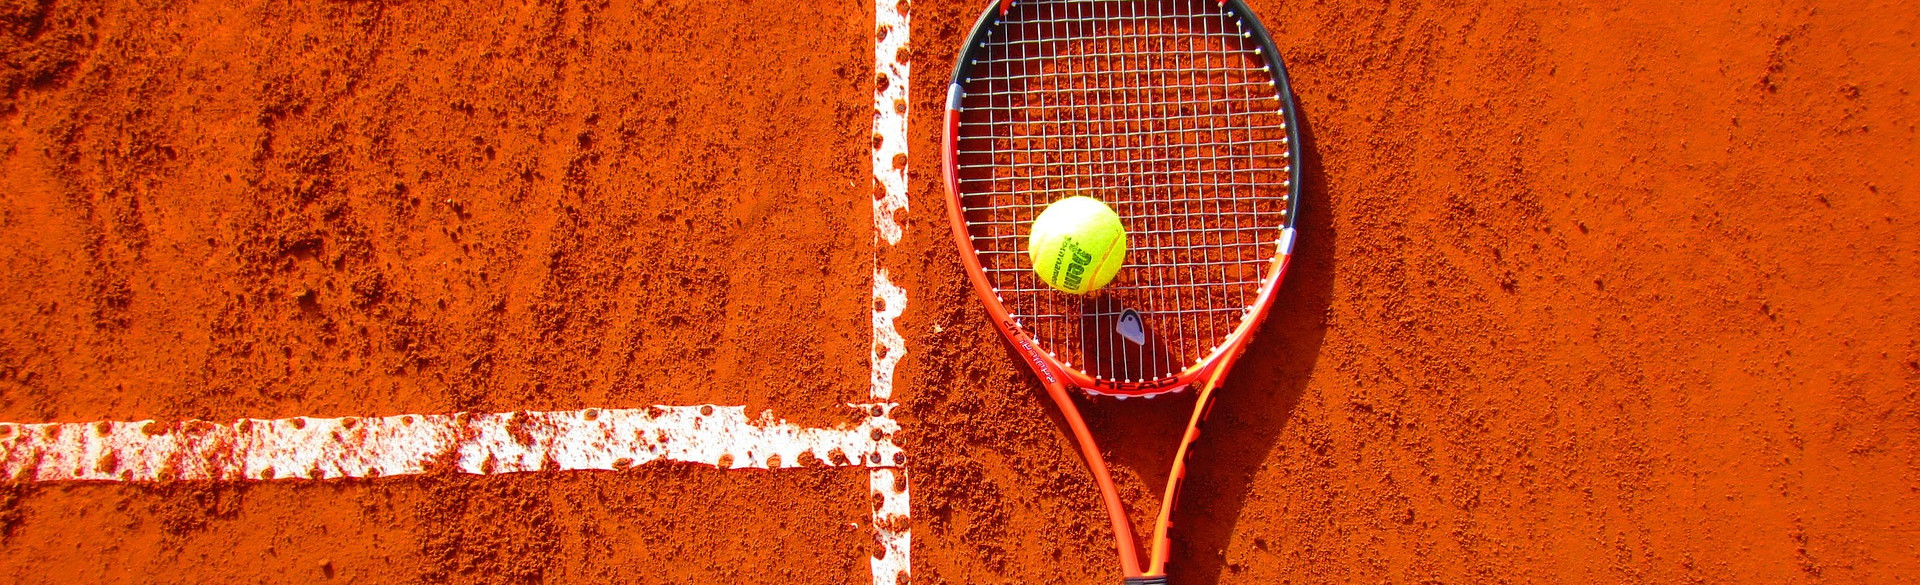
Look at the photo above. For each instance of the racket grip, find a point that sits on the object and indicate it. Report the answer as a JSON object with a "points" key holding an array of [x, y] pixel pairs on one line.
{"points": [[1147, 580]]}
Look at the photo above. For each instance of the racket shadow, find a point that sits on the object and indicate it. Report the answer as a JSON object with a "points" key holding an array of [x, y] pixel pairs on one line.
{"points": [[1250, 411]]}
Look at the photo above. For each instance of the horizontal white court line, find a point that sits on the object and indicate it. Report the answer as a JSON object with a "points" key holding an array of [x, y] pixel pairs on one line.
{"points": [[413, 444]]}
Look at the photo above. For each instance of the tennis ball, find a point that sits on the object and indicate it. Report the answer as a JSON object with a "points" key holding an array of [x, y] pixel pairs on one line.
{"points": [[1077, 245]]}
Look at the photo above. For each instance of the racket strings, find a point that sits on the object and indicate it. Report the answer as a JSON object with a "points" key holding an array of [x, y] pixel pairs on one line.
{"points": [[1163, 110]]}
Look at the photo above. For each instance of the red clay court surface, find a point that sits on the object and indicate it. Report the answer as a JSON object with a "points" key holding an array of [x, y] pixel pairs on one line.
{"points": [[1619, 292]]}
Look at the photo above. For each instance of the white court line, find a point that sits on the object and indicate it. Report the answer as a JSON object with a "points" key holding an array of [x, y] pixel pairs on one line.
{"points": [[477, 443], [893, 557], [892, 561], [891, 64]]}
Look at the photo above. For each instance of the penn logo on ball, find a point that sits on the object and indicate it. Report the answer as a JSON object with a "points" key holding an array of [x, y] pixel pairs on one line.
{"points": [[1077, 245]]}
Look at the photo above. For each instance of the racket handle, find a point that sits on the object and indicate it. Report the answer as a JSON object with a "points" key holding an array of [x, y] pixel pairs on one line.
{"points": [[1147, 580]]}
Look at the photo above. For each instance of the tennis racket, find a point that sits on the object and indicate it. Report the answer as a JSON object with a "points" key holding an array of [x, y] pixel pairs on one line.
{"points": [[1175, 113]]}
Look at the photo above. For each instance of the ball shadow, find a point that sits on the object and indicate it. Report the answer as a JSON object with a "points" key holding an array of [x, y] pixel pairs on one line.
{"points": [[1251, 409]]}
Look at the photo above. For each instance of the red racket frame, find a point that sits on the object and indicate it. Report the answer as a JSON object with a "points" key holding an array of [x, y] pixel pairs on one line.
{"points": [[1057, 377]]}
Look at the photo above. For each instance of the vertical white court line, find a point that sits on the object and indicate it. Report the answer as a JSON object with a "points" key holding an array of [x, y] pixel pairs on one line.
{"points": [[892, 560], [892, 557], [891, 63]]}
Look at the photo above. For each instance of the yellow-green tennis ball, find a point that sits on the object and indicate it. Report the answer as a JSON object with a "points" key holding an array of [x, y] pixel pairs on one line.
{"points": [[1077, 245]]}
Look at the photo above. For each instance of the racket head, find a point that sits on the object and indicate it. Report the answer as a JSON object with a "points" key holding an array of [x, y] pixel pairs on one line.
{"points": [[1179, 116]]}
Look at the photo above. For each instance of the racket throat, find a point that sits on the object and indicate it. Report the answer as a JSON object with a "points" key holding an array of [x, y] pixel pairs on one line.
{"points": [[1160, 547], [1125, 544]]}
